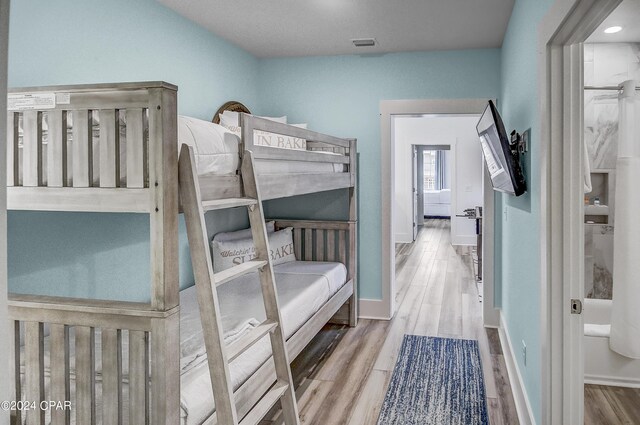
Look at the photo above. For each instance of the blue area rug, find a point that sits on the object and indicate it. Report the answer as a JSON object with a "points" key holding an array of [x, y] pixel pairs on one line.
{"points": [[436, 381]]}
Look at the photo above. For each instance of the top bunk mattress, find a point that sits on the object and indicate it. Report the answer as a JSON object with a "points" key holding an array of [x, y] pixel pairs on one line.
{"points": [[217, 152]]}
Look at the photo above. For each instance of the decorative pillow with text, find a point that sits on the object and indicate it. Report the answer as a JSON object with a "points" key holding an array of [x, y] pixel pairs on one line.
{"points": [[227, 254]]}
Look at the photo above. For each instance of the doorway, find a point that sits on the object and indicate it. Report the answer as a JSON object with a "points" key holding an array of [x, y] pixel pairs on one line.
{"points": [[431, 184], [391, 111], [563, 33]]}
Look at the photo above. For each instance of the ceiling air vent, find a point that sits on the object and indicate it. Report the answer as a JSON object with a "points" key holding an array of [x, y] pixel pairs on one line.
{"points": [[364, 42]]}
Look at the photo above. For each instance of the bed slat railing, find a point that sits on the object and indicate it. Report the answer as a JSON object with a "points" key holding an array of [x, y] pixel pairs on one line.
{"points": [[86, 348], [60, 382], [316, 143], [34, 376], [327, 241], [57, 149], [95, 138], [78, 148], [137, 176]]}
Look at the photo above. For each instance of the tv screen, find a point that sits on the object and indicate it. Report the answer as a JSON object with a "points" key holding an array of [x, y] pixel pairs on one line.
{"points": [[502, 163]]}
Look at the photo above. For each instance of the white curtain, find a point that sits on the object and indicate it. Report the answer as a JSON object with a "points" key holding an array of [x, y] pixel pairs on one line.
{"points": [[625, 314], [442, 170]]}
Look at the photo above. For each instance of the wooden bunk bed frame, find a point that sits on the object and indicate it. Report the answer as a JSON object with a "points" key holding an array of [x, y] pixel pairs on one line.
{"points": [[52, 169]]}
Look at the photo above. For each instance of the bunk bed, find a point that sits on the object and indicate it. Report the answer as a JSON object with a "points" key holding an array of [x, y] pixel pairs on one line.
{"points": [[112, 148]]}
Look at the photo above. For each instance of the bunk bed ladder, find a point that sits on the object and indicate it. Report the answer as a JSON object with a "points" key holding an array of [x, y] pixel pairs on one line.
{"points": [[219, 355]]}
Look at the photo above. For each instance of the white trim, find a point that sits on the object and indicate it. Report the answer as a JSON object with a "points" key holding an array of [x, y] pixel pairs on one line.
{"points": [[567, 24], [520, 396], [490, 312], [464, 240], [373, 309], [404, 238], [611, 381], [411, 107]]}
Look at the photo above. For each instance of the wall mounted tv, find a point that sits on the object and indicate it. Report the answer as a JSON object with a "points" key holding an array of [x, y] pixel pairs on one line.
{"points": [[501, 156]]}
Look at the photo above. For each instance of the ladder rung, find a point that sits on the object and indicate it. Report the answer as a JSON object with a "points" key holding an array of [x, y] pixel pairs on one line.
{"points": [[237, 271], [258, 412], [246, 341], [221, 204]]}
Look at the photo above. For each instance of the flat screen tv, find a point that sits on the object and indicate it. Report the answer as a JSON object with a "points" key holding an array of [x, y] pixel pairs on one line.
{"points": [[503, 162]]}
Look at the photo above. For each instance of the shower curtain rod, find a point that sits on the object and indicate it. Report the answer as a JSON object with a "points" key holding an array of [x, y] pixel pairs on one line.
{"points": [[605, 88]]}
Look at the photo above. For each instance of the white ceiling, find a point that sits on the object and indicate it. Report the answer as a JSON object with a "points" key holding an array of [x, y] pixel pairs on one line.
{"points": [[627, 15], [276, 28]]}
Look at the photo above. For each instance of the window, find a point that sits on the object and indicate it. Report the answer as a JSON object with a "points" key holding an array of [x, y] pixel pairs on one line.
{"points": [[430, 170], [436, 169]]}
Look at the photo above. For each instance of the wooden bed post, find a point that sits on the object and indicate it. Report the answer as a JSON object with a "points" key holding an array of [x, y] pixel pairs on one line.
{"points": [[353, 231], [163, 221]]}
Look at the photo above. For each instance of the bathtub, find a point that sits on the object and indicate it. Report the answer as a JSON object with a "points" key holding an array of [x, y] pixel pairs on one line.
{"points": [[601, 365]]}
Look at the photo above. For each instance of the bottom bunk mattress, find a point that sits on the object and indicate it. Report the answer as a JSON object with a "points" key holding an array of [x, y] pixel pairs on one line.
{"points": [[303, 288]]}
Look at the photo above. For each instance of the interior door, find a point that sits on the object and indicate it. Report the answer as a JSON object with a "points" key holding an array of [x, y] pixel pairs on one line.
{"points": [[414, 190]]}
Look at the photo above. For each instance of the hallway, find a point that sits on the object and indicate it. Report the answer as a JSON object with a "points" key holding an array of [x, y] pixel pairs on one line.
{"points": [[342, 376]]}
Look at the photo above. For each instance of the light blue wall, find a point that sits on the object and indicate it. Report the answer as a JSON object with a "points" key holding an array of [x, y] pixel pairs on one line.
{"points": [[520, 267], [341, 95], [89, 41]]}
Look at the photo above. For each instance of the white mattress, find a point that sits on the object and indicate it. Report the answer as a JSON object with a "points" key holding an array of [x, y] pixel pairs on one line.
{"points": [[303, 287]]}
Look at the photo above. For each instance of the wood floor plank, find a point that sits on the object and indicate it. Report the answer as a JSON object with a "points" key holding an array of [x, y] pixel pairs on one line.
{"points": [[428, 320], [611, 405], [503, 390], [348, 386], [344, 352], [451, 316], [495, 412], [404, 322], [598, 410], [435, 286], [367, 408], [493, 336]]}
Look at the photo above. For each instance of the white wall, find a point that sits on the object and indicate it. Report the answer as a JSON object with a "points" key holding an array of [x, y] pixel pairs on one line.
{"points": [[4, 321], [460, 133]]}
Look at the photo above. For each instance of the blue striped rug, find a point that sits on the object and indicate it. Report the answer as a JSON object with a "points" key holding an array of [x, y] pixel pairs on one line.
{"points": [[436, 381]]}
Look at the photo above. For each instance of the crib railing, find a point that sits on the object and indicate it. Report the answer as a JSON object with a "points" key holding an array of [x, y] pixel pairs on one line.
{"points": [[97, 139], [110, 346]]}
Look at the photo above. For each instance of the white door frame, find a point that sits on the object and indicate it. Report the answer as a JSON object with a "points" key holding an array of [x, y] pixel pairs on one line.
{"points": [[414, 191], [388, 108], [4, 320], [561, 34]]}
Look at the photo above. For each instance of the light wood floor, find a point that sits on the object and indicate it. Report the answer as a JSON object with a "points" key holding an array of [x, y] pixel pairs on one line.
{"points": [[605, 405], [342, 376]]}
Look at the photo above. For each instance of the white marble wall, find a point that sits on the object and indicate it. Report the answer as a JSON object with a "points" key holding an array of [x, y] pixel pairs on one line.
{"points": [[598, 251], [605, 65]]}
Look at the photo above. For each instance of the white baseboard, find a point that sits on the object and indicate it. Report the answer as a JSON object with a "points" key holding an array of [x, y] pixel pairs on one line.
{"points": [[520, 396], [403, 238], [611, 381], [373, 309], [466, 240]]}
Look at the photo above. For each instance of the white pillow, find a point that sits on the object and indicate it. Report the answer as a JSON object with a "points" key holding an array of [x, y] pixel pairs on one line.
{"points": [[234, 118], [215, 148], [241, 234], [231, 253]]}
